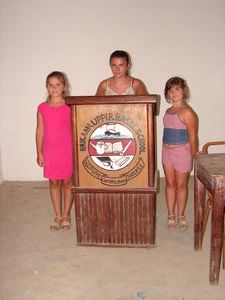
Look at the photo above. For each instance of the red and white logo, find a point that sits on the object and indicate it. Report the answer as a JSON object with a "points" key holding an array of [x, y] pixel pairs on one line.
{"points": [[112, 146]]}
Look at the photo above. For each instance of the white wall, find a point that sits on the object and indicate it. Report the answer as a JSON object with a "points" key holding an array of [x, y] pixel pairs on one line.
{"points": [[165, 38]]}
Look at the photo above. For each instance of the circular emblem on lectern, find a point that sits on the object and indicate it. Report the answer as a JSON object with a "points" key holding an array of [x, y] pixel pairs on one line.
{"points": [[112, 146]]}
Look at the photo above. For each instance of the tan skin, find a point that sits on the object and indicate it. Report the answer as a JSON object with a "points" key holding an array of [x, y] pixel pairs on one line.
{"points": [[120, 81], [177, 182], [55, 90]]}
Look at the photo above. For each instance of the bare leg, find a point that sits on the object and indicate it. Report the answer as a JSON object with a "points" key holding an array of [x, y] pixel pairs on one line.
{"points": [[181, 191], [181, 197], [170, 195], [67, 184], [55, 192], [170, 188]]}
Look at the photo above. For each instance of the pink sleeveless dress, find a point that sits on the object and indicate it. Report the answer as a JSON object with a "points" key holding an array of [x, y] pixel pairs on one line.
{"points": [[57, 143]]}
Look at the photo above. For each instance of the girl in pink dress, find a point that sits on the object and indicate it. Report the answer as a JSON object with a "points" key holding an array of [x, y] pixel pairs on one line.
{"points": [[54, 147]]}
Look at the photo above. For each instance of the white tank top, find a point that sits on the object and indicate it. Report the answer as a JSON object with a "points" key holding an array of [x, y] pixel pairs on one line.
{"points": [[129, 91]]}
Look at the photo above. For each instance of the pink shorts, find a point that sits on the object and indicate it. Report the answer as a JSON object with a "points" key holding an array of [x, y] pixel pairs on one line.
{"points": [[180, 157]]}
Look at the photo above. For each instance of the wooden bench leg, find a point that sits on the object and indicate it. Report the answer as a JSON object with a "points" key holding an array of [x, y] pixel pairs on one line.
{"points": [[217, 235], [224, 243], [208, 207]]}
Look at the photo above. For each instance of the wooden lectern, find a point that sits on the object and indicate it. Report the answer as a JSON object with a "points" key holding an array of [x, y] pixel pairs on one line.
{"points": [[115, 176]]}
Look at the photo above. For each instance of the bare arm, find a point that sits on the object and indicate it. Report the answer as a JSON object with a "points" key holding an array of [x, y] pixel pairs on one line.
{"points": [[39, 139], [101, 89], [191, 120], [139, 87]]}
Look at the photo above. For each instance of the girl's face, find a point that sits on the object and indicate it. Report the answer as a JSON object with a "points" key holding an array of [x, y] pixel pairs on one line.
{"points": [[119, 66], [176, 93], [55, 87]]}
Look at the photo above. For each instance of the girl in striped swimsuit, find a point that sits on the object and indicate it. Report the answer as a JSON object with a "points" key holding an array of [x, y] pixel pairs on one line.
{"points": [[179, 145]]}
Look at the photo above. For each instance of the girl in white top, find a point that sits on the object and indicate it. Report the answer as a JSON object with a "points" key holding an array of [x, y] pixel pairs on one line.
{"points": [[121, 83]]}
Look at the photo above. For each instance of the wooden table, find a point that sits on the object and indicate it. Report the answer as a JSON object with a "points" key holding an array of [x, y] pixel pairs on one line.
{"points": [[210, 175]]}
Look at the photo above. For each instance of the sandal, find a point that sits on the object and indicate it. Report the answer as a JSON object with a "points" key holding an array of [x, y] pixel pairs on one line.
{"points": [[171, 222], [56, 225], [182, 224], [66, 222]]}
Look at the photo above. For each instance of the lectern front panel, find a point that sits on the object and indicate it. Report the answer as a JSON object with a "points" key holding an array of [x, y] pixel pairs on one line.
{"points": [[112, 145], [115, 176]]}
